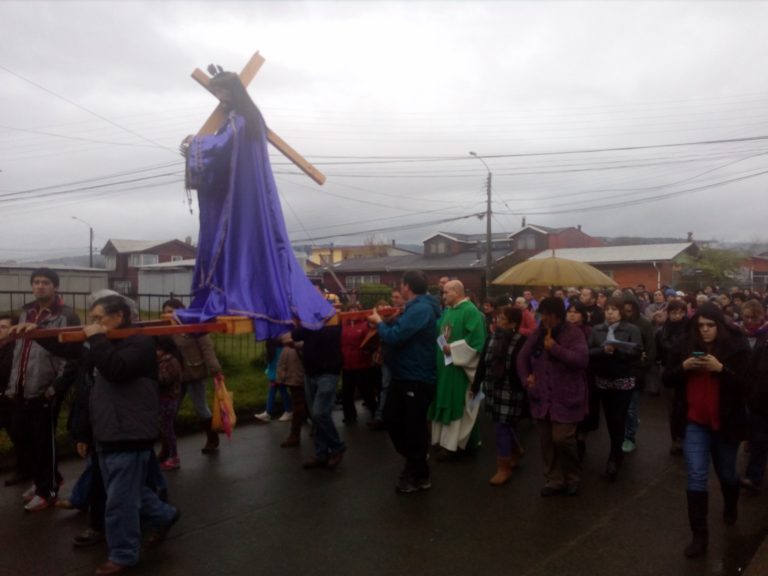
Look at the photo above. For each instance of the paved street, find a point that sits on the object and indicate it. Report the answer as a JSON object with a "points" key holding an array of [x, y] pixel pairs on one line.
{"points": [[253, 510]]}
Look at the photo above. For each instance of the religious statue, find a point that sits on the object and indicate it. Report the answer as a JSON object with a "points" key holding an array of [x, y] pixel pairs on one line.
{"points": [[245, 264]]}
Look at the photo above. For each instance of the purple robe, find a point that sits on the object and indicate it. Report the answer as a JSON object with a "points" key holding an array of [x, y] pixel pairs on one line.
{"points": [[245, 265]]}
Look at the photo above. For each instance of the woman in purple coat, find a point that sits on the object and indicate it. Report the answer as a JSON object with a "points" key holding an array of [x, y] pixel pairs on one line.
{"points": [[552, 366]]}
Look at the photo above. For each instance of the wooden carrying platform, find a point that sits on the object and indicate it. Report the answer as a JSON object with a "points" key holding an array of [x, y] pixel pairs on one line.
{"points": [[70, 334]]}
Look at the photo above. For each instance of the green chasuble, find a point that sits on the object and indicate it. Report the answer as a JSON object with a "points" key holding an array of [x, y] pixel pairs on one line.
{"points": [[462, 322]]}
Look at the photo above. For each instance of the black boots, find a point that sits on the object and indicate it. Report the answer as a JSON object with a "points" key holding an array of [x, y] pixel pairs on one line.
{"points": [[698, 503], [212, 442], [730, 503]]}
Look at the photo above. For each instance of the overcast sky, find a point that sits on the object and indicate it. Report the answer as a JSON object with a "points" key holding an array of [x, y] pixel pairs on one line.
{"points": [[573, 106]]}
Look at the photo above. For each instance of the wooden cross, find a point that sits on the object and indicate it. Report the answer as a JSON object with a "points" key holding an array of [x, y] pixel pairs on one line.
{"points": [[219, 116]]}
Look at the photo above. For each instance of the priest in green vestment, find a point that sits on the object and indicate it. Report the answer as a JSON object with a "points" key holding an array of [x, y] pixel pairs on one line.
{"points": [[463, 327]]}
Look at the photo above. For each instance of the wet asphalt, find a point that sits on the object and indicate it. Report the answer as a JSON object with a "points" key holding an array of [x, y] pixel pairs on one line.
{"points": [[251, 509]]}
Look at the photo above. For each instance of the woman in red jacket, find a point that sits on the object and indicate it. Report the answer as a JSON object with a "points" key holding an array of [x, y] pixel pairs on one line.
{"points": [[707, 371]]}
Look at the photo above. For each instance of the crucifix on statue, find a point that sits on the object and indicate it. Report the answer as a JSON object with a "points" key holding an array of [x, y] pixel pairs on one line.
{"points": [[219, 116], [245, 265]]}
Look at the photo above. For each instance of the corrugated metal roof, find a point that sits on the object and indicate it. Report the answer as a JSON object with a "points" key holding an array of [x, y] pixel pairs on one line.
{"points": [[616, 254], [123, 246], [471, 238], [462, 261], [189, 263]]}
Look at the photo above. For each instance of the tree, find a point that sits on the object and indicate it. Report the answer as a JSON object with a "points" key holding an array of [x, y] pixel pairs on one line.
{"points": [[712, 266]]}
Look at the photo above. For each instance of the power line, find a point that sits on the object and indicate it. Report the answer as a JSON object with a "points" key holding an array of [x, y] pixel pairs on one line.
{"points": [[84, 109]]}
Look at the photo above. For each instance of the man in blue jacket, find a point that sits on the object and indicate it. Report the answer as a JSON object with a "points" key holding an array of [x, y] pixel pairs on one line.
{"points": [[412, 342]]}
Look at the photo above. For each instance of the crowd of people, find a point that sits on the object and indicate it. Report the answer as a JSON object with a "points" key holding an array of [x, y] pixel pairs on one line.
{"points": [[424, 365]]}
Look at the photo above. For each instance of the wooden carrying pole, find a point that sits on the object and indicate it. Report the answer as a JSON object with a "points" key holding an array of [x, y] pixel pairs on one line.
{"points": [[70, 334], [219, 116], [120, 333]]}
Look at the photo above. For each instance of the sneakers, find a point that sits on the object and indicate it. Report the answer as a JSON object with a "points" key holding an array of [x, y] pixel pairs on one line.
{"points": [[87, 537], [628, 446], [409, 484], [286, 417], [29, 493], [173, 463], [263, 417], [38, 503]]}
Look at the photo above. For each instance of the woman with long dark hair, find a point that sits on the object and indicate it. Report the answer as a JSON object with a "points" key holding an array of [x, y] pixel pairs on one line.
{"points": [[707, 372]]}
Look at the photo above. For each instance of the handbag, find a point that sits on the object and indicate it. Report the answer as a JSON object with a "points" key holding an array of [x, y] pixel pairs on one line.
{"points": [[224, 417]]}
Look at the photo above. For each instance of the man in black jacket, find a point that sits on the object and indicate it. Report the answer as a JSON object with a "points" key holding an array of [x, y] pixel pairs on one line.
{"points": [[320, 352], [124, 416]]}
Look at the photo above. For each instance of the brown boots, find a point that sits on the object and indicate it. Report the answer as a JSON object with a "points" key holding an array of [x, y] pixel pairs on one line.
{"points": [[504, 470], [505, 467], [212, 442]]}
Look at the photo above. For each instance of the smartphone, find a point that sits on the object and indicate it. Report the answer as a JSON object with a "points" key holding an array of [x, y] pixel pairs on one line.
{"points": [[698, 354]]}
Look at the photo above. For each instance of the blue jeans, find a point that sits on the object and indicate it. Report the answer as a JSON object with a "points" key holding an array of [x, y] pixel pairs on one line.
{"points": [[321, 398], [196, 391], [284, 396], [129, 501], [758, 448], [633, 416], [699, 444], [82, 489]]}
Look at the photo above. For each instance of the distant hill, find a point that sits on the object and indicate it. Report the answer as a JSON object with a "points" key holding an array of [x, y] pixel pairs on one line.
{"points": [[78, 261]]}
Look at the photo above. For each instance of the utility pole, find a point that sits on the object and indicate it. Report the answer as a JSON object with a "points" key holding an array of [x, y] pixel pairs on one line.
{"points": [[90, 240], [488, 215]]}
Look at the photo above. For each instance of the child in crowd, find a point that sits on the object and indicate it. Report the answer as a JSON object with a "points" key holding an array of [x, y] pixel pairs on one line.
{"points": [[169, 380], [274, 350]]}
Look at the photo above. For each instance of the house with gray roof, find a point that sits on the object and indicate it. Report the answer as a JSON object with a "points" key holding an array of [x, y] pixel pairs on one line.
{"points": [[123, 258], [653, 265]]}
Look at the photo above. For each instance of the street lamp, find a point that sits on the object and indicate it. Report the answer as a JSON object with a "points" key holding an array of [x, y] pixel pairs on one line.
{"points": [[488, 255], [90, 244]]}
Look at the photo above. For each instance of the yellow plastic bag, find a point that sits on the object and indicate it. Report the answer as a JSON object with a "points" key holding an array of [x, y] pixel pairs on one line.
{"points": [[224, 417]]}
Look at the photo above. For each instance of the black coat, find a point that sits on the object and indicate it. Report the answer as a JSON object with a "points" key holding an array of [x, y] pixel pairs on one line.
{"points": [[621, 363], [735, 358], [757, 376]]}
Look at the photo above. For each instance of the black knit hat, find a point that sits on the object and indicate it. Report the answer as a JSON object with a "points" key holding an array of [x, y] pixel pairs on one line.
{"points": [[45, 273]]}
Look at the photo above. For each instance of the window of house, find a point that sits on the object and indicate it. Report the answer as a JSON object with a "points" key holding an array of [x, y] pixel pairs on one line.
{"points": [[177, 258], [110, 262], [356, 281], [526, 242], [441, 247], [142, 260], [122, 286]]}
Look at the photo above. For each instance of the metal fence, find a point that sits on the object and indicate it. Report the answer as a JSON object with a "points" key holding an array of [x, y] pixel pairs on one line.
{"points": [[150, 306]]}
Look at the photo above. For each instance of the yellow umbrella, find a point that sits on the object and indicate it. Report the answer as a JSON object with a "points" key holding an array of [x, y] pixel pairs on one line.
{"points": [[553, 271]]}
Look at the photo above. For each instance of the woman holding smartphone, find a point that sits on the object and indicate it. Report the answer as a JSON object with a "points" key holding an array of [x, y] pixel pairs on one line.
{"points": [[707, 372]]}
